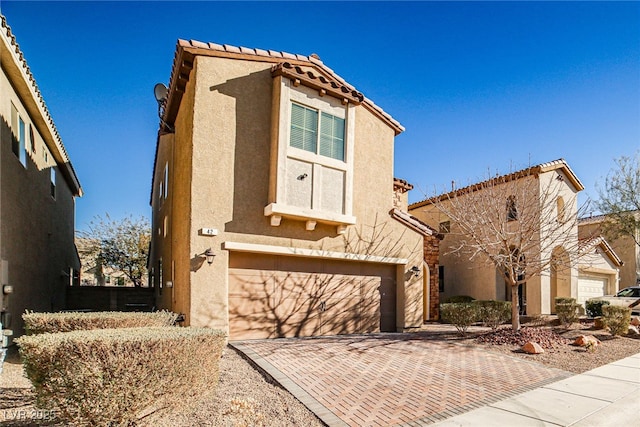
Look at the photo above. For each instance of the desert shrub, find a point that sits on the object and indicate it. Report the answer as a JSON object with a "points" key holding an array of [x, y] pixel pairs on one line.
{"points": [[493, 313], [616, 318], [564, 300], [567, 310], [39, 323], [461, 315], [458, 298], [112, 376], [594, 308]]}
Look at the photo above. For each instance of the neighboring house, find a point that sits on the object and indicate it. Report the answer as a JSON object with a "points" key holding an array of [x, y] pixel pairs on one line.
{"points": [[271, 199], [461, 276], [94, 273], [38, 187], [624, 246], [599, 268]]}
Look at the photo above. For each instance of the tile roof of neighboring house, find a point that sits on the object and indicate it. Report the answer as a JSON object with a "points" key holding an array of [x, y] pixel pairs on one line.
{"points": [[402, 185], [15, 63], [286, 63], [591, 219], [595, 219], [413, 223], [587, 244], [533, 170]]}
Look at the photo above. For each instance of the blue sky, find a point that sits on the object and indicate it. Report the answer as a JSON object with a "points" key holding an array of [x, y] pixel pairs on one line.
{"points": [[479, 86]]}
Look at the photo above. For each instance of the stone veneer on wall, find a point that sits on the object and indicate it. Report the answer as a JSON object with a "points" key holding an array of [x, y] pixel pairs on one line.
{"points": [[432, 258]]}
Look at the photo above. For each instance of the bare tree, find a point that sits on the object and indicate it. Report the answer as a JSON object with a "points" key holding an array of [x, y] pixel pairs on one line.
{"points": [[514, 223], [122, 245], [620, 199]]}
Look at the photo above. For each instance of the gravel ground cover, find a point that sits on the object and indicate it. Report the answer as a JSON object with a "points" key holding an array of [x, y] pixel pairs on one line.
{"points": [[245, 398]]}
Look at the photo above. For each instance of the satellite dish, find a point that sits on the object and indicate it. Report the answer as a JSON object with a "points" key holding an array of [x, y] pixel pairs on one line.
{"points": [[160, 92]]}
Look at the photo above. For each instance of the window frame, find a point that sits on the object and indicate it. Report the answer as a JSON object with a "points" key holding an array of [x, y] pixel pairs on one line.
{"points": [[287, 94]]}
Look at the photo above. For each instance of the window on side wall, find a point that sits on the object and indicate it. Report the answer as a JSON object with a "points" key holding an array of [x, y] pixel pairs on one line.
{"points": [[18, 136], [445, 227], [441, 278], [512, 209], [560, 209], [53, 182], [166, 180]]}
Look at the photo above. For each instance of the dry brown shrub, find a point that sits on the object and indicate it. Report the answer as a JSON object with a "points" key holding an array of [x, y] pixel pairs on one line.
{"points": [[40, 323], [114, 376]]}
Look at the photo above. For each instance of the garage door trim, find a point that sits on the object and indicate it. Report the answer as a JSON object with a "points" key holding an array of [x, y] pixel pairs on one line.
{"points": [[310, 253]]}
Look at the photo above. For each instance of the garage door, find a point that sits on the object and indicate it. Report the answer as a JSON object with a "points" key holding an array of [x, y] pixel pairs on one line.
{"points": [[591, 286], [278, 296]]}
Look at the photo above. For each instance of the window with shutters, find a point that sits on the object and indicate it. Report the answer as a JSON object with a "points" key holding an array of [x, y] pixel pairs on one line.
{"points": [[314, 164]]}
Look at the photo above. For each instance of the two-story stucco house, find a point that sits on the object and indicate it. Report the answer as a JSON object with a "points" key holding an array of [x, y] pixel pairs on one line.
{"points": [[563, 261], [38, 186], [273, 200]]}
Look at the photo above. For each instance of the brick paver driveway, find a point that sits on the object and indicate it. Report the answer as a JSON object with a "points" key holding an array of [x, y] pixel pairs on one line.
{"points": [[391, 379]]}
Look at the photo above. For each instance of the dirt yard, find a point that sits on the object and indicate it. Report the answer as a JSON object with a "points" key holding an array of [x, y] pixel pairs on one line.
{"points": [[245, 398]]}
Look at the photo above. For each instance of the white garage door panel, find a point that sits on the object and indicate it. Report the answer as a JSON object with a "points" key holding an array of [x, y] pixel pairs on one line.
{"points": [[591, 286]]}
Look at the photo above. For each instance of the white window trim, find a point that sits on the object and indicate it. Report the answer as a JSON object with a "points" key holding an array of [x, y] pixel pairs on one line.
{"points": [[311, 98]]}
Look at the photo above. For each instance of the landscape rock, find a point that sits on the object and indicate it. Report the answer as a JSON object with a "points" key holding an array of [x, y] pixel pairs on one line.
{"points": [[635, 321], [584, 340], [532, 348], [546, 338], [598, 323], [633, 330]]}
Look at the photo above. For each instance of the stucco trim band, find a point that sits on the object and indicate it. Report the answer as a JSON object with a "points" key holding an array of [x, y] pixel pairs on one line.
{"points": [[309, 253]]}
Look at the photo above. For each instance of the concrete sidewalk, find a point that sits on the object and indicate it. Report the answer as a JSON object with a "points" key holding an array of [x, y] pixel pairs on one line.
{"points": [[605, 396]]}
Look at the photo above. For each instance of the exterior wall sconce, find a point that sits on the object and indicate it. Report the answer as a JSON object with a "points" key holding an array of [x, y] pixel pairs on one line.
{"points": [[415, 270], [210, 256]]}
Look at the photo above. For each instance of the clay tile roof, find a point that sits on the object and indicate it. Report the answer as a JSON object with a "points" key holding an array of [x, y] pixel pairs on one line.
{"points": [[230, 48], [589, 243], [591, 219], [296, 72], [413, 223], [55, 142], [402, 184], [215, 46], [536, 170], [187, 49]]}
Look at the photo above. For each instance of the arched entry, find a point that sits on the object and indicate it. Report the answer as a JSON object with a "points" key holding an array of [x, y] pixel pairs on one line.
{"points": [[560, 276], [426, 292]]}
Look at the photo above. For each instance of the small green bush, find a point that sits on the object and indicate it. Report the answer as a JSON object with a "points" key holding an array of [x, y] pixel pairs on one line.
{"points": [[564, 300], [594, 308], [567, 310], [616, 318], [112, 376], [458, 298], [493, 313], [461, 315], [40, 323], [567, 313]]}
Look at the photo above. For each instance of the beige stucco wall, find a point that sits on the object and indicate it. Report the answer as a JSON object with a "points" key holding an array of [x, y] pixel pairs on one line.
{"points": [[33, 225], [224, 127]]}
